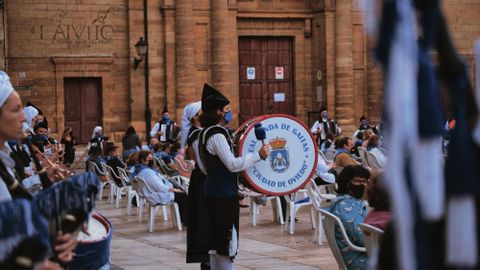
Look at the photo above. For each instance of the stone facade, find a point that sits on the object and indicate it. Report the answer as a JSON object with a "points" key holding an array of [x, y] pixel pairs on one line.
{"points": [[196, 41]]}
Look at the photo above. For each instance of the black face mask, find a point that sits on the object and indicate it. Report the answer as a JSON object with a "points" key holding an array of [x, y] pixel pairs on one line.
{"points": [[357, 191], [150, 163]]}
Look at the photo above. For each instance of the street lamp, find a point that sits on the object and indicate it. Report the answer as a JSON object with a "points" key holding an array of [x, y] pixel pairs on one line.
{"points": [[141, 47]]}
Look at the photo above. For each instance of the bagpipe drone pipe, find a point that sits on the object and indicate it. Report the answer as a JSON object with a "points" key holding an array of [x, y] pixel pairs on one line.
{"points": [[65, 207]]}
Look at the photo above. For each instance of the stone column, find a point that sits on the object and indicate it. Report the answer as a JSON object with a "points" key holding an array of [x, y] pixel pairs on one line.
{"points": [[184, 55], [344, 92], [221, 45]]}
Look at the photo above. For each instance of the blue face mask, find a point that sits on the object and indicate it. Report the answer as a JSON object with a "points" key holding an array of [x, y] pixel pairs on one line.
{"points": [[228, 117], [166, 119], [43, 137]]}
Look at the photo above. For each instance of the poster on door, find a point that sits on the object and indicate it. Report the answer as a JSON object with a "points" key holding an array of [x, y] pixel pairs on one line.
{"points": [[279, 73], [250, 73]]}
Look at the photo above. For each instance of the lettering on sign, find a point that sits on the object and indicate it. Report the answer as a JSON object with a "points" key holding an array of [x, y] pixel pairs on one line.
{"points": [[292, 158], [96, 30]]}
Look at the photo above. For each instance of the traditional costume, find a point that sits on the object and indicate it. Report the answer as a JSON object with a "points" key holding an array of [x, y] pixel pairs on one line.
{"points": [[221, 188], [325, 126], [198, 235], [167, 126]]}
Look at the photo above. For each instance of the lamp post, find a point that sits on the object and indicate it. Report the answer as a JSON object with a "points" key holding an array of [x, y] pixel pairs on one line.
{"points": [[142, 50], [141, 47]]}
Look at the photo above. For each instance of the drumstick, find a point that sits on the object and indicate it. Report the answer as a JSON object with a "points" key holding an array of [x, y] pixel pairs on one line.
{"points": [[260, 133]]}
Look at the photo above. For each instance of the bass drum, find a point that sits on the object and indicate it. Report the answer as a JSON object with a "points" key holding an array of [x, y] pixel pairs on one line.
{"points": [[93, 251], [237, 137], [293, 158]]}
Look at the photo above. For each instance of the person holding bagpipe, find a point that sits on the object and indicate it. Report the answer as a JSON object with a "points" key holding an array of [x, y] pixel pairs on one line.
{"points": [[11, 120], [221, 187]]}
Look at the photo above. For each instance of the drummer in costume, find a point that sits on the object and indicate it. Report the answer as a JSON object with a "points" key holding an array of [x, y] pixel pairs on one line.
{"points": [[197, 231], [221, 187], [11, 119]]}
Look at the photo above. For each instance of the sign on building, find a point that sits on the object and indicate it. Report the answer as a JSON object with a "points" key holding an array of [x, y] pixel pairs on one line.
{"points": [[250, 73], [279, 73]]}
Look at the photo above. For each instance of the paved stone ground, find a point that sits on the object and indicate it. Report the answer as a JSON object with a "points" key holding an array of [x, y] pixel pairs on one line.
{"points": [[265, 246]]}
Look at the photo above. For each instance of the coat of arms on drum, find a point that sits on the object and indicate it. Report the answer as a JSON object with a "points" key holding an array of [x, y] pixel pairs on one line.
{"points": [[279, 160]]}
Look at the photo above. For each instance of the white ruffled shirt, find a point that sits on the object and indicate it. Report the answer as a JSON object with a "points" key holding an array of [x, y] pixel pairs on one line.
{"points": [[10, 165], [217, 145]]}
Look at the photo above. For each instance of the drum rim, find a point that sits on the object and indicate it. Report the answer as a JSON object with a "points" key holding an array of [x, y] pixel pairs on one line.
{"points": [[105, 222], [247, 177]]}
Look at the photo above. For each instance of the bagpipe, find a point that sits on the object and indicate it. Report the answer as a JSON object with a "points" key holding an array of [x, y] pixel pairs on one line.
{"points": [[63, 206], [293, 156]]}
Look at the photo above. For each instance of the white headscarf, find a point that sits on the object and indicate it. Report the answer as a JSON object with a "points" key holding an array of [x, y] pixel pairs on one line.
{"points": [[30, 113], [188, 113], [6, 88], [96, 131]]}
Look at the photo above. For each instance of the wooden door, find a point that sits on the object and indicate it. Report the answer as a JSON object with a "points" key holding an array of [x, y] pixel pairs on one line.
{"points": [[271, 60], [83, 109]]}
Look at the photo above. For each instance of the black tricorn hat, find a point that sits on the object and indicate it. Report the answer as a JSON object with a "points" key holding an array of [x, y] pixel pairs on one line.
{"points": [[212, 99], [323, 108], [165, 110], [363, 118], [31, 104]]}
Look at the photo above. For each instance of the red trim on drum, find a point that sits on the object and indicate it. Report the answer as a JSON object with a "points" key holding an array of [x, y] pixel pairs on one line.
{"points": [[252, 124], [105, 223]]}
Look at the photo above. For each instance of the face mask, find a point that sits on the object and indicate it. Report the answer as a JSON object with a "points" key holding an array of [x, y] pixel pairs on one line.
{"points": [[43, 137], [166, 119], [325, 115], [228, 117], [150, 163], [357, 191]]}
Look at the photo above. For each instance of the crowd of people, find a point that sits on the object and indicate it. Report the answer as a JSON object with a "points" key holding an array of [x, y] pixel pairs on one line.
{"points": [[209, 203]]}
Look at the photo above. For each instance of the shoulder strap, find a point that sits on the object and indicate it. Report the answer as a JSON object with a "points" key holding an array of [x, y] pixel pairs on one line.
{"points": [[193, 136]]}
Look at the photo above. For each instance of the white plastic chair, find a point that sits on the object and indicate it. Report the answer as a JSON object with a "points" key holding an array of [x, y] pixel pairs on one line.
{"points": [[372, 160], [276, 209], [373, 237], [319, 200], [94, 168], [190, 164], [330, 221], [363, 155], [292, 209], [153, 208], [117, 190], [138, 187], [131, 193], [181, 167]]}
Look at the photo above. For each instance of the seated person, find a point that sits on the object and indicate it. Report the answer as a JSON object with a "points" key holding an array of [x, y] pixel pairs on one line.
{"points": [[163, 152], [378, 200], [343, 156], [114, 162], [153, 141], [351, 209], [160, 190], [95, 156], [373, 147], [367, 134], [328, 143], [324, 172]]}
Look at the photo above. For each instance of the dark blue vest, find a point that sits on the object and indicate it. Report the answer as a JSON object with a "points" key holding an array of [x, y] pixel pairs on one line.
{"points": [[220, 183]]}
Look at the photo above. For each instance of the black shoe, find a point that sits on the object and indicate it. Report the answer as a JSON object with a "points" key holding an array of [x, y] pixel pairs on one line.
{"points": [[205, 266]]}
